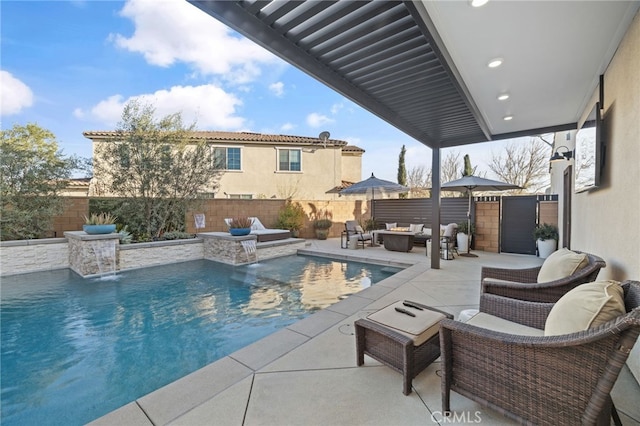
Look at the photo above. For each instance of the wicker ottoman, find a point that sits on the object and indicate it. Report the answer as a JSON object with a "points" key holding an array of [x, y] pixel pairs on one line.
{"points": [[407, 344]]}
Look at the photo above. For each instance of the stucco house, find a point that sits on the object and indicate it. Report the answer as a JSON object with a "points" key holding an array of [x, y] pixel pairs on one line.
{"points": [[260, 165]]}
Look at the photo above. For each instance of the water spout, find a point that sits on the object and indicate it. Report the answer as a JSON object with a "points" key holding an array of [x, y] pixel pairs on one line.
{"points": [[250, 247], [105, 254]]}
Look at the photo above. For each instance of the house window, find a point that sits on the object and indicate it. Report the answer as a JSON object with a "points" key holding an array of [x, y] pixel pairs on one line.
{"points": [[226, 158], [240, 196], [289, 160]]}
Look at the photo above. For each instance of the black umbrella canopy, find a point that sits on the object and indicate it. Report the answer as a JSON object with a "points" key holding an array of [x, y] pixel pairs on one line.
{"points": [[471, 183]]}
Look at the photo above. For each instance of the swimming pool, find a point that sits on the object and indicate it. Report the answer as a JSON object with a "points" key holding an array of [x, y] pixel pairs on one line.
{"points": [[74, 349]]}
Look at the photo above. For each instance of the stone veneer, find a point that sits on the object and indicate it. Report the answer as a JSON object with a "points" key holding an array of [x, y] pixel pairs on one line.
{"points": [[78, 252], [225, 248], [91, 255], [24, 256], [142, 255]]}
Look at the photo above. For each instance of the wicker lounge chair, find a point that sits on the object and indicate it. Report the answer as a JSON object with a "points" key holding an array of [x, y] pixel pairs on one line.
{"points": [[551, 380], [522, 283]]}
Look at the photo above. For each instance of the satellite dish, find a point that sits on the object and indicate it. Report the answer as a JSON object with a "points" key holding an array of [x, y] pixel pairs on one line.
{"points": [[324, 137]]}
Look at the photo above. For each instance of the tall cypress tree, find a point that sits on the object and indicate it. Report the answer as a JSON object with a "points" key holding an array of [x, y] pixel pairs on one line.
{"points": [[402, 170], [468, 170]]}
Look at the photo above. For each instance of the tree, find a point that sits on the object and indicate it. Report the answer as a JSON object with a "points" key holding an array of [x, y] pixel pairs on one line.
{"points": [[525, 165], [402, 170], [468, 170], [33, 171], [449, 167], [159, 168], [419, 180]]}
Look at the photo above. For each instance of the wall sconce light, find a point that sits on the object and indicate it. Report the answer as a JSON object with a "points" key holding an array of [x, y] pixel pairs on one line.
{"points": [[567, 154]]}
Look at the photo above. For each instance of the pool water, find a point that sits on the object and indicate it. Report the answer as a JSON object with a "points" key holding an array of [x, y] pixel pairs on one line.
{"points": [[74, 349]]}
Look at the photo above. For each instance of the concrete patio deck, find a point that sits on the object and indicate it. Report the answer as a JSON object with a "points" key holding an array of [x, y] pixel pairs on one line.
{"points": [[306, 374]]}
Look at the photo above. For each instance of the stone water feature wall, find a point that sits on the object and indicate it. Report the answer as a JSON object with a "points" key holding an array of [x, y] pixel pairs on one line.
{"points": [[222, 247], [91, 255]]}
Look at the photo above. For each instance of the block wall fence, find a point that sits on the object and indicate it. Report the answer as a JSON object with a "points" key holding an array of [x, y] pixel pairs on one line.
{"points": [[487, 218]]}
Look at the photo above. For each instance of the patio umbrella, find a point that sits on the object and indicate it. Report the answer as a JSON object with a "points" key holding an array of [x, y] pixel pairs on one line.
{"points": [[469, 184], [373, 185]]}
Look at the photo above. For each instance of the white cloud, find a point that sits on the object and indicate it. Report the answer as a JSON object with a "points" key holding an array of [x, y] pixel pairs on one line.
{"points": [[316, 120], [287, 127], [335, 108], [277, 88], [208, 105], [173, 31], [15, 95]]}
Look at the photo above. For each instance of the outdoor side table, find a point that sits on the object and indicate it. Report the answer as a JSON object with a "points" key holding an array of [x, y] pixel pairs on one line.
{"points": [[404, 343]]}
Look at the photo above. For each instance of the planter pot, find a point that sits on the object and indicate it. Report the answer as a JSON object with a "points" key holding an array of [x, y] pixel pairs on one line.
{"points": [[99, 229], [322, 234], [463, 242], [237, 232], [546, 247]]}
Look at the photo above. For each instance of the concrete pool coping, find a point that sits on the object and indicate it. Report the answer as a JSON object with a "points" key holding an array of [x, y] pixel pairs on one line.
{"points": [[306, 373]]}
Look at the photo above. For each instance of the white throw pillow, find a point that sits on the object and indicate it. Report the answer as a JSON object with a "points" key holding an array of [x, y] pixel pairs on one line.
{"points": [[391, 225], [416, 228], [585, 306], [560, 264]]}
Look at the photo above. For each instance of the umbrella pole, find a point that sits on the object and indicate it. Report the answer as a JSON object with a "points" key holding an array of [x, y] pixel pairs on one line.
{"points": [[468, 253]]}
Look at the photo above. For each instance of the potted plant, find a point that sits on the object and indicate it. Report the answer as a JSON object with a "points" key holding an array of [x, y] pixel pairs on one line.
{"points": [[464, 235], [99, 223], [240, 226], [291, 217], [322, 224], [546, 236]]}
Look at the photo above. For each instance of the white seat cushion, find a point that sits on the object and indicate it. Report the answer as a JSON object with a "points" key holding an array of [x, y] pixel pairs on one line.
{"points": [[420, 328], [390, 226], [502, 325], [490, 280]]}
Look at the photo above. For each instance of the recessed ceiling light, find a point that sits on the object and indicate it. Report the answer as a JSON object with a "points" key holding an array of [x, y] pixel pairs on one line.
{"points": [[503, 96], [496, 62], [478, 3], [508, 117]]}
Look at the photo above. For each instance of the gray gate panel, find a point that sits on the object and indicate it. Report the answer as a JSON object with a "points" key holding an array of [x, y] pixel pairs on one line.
{"points": [[517, 225]]}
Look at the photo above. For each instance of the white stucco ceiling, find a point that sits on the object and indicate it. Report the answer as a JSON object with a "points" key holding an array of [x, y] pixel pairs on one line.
{"points": [[553, 51]]}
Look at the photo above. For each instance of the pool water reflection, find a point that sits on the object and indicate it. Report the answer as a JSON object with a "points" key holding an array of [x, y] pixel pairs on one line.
{"points": [[74, 349]]}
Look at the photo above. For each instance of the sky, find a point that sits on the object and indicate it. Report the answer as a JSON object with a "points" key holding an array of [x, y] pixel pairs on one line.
{"points": [[71, 66]]}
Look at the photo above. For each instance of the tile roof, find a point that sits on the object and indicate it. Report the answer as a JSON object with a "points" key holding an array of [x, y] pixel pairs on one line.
{"points": [[241, 137]]}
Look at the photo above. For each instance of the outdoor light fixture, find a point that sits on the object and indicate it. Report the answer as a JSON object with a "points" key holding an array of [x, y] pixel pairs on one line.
{"points": [[495, 63], [567, 154], [503, 96], [507, 117], [478, 3], [324, 137]]}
